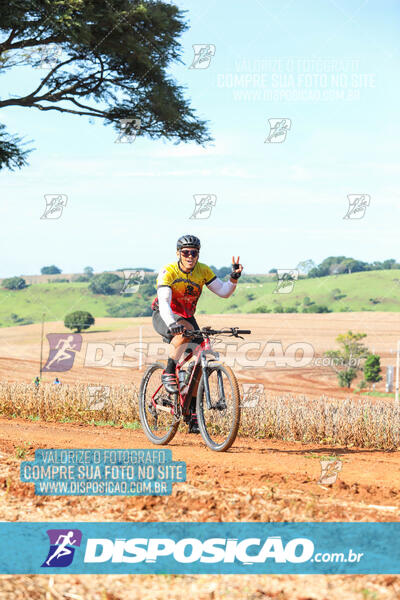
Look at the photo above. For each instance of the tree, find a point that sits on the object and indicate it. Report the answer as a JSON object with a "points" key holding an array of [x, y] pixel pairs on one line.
{"points": [[130, 309], [316, 308], [337, 295], [222, 272], [375, 300], [148, 289], [114, 64], [106, 283], [346, 377], [372, 369], [273, 271], [278, 309], [350, 264], [78, 320], [314, 273], [325, 267], [52, 270], [334, 265], [305, 266], [14, 283], [337, 268], [260, 309], [352, 346], [20, 320], [346, 361], [88, 271], [389, 263], [12, 156]]}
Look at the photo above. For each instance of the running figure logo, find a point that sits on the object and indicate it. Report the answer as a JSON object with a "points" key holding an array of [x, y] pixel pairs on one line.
{"points": [[278, 129], [98, 396], [252, 393], [62, 351], [203, 54], [329, 471], [46, 57], [203, 205], [62, 542], [357, 205], [286, 280], [129, 128], [55, 203], [132, 281]]}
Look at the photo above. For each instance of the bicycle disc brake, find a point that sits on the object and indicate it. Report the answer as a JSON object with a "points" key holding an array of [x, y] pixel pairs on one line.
{"points": [[220, 405]]}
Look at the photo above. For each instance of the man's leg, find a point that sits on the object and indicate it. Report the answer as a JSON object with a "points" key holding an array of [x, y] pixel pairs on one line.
{"points": [[177, 347]]}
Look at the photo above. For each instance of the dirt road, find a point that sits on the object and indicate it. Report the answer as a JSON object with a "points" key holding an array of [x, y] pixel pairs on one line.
{"points": [[257, 480]]}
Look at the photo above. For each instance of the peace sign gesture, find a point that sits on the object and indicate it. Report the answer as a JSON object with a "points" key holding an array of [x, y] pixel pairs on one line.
{"points": [[237, 269]]}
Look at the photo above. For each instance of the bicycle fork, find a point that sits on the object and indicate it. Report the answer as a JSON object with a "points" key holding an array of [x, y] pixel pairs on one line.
{"points": [[221, 396]]}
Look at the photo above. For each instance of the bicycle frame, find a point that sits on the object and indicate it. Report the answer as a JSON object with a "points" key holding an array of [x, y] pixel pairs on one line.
{"points": [[200, 352]]}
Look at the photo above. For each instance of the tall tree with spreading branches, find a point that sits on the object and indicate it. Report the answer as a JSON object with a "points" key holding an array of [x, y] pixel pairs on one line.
{"points": [[347, 361], [111, 64]]}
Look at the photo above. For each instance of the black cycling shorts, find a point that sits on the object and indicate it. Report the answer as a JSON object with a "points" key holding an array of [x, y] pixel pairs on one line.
{"points": [[161, 327]]}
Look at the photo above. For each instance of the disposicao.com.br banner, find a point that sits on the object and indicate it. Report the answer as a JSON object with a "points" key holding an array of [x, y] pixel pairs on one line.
{"points": [[121, 548]]}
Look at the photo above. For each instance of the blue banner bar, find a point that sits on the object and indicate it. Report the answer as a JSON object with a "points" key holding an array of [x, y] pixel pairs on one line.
{"points": [[189, 548]]}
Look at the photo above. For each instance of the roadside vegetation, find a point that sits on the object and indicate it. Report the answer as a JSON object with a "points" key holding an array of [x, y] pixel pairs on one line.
{"points": [[360, 421]]}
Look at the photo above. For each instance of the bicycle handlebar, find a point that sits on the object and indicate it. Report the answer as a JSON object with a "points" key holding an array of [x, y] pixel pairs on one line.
{"points": [[207, 331]]}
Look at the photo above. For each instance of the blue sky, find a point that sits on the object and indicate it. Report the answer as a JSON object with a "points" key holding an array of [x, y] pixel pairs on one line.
{"points": [[331, 67]]}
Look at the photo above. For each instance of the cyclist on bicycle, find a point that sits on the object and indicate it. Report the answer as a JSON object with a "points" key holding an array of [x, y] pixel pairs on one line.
{"points": [[179, 286]]}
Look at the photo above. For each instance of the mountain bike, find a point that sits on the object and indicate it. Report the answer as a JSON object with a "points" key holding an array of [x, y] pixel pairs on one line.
{"points": [[205, 383]]}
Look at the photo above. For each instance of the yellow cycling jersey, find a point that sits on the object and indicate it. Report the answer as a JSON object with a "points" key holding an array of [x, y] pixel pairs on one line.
{"points": [[186, 287]]}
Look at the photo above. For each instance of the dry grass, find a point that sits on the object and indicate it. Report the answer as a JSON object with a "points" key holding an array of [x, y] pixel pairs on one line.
{"points": [[363, 422], [199, 587], [68, 403]]}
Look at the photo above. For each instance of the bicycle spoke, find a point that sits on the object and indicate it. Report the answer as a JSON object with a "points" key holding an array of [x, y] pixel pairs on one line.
{"points": [[220, 420], [156, 408]]}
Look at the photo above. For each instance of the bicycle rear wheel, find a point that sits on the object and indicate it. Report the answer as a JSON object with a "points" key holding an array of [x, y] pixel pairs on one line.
{"points": [[156, 407], [219, 424]]}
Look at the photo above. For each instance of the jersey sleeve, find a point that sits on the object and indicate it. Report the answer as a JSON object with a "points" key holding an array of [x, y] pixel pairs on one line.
{"points": [[209, 275], [164, 278]]}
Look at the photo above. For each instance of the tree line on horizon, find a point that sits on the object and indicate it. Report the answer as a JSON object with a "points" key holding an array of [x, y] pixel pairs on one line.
{"points": [[338, 265], [333, 265]]}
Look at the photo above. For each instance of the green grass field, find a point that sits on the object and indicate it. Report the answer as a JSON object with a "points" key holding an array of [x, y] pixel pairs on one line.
{"points": [[357, 289], [373, 291]]}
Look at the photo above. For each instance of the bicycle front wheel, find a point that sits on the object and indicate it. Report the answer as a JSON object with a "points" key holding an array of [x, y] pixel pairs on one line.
{"points": [[156, 407], [219, 422]]}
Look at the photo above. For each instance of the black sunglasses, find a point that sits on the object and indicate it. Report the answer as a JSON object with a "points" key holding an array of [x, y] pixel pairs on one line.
{"points": [[190, 253]]}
